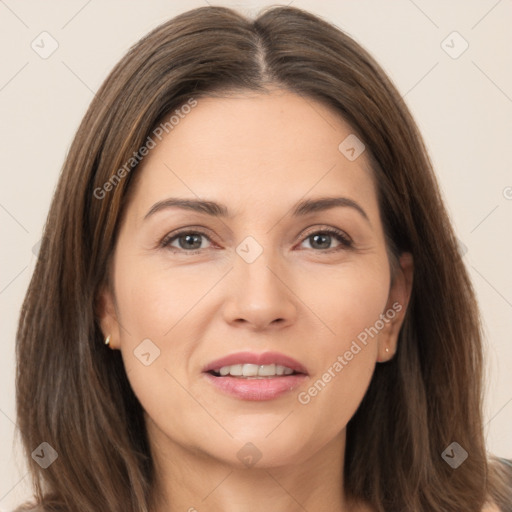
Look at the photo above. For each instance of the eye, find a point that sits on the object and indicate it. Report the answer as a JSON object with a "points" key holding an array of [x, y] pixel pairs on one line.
{"points": [[187, 241], [191, 242], [322, 240]]}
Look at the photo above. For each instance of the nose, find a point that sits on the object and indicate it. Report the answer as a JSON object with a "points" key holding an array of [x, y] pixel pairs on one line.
{"points": [[259, 295]]}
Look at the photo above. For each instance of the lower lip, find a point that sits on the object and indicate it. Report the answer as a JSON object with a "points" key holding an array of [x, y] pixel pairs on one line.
{"points": [[266, 388]]}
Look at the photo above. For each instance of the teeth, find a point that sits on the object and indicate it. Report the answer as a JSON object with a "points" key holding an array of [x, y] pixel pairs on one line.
{"points": [[254, 370], [267, 369]]}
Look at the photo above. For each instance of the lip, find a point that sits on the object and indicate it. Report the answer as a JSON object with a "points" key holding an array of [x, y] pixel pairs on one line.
{"points": [[259, 359], [267, 388]]}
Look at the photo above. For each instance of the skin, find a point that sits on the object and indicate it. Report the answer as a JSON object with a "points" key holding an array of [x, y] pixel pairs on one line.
{"points": [[258, 154]]}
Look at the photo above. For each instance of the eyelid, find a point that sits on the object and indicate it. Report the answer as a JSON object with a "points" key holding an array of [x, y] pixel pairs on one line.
{"points": [[326, 229]]}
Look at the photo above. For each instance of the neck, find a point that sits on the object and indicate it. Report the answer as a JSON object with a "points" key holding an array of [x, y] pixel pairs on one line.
{"points": [[195, 482]]}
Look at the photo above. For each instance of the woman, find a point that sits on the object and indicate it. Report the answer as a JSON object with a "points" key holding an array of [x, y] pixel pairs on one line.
{"points": [[249, 295]]}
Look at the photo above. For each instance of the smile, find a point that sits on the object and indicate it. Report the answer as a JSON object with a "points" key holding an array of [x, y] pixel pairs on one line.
{"points": [[255, 376], [253, 371]]}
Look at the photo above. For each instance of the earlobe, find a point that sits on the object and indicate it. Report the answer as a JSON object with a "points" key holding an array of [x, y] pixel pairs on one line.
{"points": [[387, 343], [107, 317]]}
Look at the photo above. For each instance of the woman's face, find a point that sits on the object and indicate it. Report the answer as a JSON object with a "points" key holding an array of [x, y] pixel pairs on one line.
{"points": [[264, 274]]}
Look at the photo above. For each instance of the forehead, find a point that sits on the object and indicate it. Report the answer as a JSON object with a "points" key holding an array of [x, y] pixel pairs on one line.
{"points": [[248, 147]]}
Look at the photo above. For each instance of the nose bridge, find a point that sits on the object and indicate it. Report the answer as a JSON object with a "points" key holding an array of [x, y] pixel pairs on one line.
{"points": [[257, 293]]}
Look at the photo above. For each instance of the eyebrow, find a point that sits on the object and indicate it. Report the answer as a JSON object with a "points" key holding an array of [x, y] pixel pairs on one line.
{"points": [[214, 209]]}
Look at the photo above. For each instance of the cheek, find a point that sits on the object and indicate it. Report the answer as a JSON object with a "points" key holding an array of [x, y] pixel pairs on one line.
{"points": [[348, 300], [160, 305], [152, 307], [152, 299], [346, 352]]}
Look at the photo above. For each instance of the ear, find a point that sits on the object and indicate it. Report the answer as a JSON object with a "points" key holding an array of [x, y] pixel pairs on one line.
{"points": [[106, 312], [396, 307]]}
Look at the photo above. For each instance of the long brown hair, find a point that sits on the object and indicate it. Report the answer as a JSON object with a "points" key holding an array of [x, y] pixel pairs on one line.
{"points": [[74, 394]]}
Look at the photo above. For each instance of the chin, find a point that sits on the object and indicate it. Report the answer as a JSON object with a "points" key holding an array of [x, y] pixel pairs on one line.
{"points": [[258, 450]]}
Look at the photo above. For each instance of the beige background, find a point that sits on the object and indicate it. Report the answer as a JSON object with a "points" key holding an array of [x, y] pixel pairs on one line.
{"points": [[463, 107]]}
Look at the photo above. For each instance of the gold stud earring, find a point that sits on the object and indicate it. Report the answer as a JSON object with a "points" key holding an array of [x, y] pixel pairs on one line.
{"points": [[387, 349], [107, 341]]}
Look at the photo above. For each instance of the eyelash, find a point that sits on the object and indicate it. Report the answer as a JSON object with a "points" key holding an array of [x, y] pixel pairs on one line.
{"points": [[340, 236]]}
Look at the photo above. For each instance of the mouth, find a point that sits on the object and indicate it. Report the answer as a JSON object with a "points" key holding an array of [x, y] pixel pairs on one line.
{"points": [[251, 376], [253, 371]]}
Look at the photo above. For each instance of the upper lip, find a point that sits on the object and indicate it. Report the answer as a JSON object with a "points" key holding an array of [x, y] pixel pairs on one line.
{"points": [[255, 358]]}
